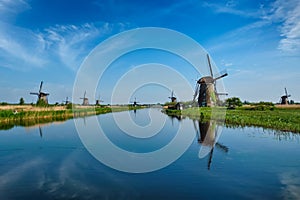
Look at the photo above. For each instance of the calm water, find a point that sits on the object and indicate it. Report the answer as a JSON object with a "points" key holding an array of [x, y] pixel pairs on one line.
{"points": [[50, 162]]}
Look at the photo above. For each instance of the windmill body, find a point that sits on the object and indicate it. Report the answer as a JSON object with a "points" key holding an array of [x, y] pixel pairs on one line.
{"points": [[285, 98], [206, 91], [135, 103], [172, 97], [41, 95], [85, 100]]}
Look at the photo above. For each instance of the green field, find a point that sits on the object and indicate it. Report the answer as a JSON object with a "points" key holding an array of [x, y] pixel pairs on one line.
{"points": [[282, 119]]}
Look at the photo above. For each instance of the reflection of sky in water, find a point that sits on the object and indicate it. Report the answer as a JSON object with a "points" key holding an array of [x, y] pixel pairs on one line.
{"points": [[57, 165], [133, 144]]}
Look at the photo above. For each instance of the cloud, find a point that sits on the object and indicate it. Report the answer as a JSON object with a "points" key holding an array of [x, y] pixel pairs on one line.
{"points": [[23, 49], [231, 7], [290, 29], [20, 47], [71, 43], [9, 8], [291, 187]]}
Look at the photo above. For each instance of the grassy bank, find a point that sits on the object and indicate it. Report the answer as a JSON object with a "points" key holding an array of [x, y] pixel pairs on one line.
{"points": [[30, 115], [282, 119]]}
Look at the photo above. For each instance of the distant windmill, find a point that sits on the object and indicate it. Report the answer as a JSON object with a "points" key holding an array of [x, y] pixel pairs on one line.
{"points": [[135, 103], [172, 97], [284, 98], [66, 101], [98, 101], [41, 95], [206, 89], [85, 101]]}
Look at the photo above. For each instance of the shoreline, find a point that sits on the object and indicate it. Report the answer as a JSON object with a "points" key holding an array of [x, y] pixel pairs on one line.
{"points": [[281, 118], [28, 115]]}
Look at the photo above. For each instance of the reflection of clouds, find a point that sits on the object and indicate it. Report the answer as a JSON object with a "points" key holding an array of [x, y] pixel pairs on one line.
{"points": [[66, 176], [12, 178], [291, 182]]}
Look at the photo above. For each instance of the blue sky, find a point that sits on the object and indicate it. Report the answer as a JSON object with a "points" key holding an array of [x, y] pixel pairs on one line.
{"points": [[258, 42]]}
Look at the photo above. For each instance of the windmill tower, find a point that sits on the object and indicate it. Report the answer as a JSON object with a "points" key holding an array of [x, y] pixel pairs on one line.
{"points": [[66, 101], [206, 89], [41, 95], [135, 103], [172, 97], [98, 101], [85, 101], [284, 98]]}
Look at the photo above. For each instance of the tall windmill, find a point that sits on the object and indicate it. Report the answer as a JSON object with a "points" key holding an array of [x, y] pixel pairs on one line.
{"points": [[85, 101], [284, 98], [172, 97], [41, 95], [206, 89]]}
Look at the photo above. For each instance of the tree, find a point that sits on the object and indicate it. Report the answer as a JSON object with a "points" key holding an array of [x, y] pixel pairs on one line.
{"points": [[233, 102], [22, 102]]}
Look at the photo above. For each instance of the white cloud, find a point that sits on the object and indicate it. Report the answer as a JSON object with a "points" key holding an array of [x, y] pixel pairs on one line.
{"points": [[9, 8], [290, 30], [20, 47], [231, 7], [71, 42]]}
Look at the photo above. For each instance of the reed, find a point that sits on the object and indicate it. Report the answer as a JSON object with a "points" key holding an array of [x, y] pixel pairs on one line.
{"points": [[282, 119]]}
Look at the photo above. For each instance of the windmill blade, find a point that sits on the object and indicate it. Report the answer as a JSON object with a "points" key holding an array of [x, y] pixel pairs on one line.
{"points": [[222, 147], [196, 92], [221, 76], [34, 93], [196, 129], [41, 85], [209, 65]]}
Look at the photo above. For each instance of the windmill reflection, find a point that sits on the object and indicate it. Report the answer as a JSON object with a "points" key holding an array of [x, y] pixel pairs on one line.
{"points": [[207, 134], [178, 117], [41, 132]]}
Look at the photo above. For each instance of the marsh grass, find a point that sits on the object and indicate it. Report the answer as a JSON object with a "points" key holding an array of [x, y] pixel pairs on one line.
{"points": [[282, 119], [10, 118]]}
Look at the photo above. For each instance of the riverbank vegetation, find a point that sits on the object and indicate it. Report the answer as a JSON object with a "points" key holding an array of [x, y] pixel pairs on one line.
{"points": [[28, 115], [282, 118]]}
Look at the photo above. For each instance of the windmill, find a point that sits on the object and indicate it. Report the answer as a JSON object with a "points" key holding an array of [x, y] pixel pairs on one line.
{"points": [[172, 97], [284, 98], [41, 95], [66, 101], [85, 101], [206, 89], [135, 103], [98, 101]]}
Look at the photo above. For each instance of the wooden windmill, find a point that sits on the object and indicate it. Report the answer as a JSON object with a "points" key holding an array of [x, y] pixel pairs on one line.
{"points": [[284, 98], [85, 101], [206, 90], [135, 103], [98, 101], [41, 95], [66, 101], [172, 97]]}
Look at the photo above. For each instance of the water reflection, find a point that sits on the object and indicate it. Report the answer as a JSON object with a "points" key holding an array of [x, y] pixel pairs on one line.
{"points": [[59, 167], [207, 134]]}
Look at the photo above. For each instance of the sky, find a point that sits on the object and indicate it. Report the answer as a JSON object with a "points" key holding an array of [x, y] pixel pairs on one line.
{"points": [[256, 42]]}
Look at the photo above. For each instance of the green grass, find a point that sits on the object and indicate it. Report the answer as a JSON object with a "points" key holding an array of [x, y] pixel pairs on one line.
{"points": [[282, 119], [9, 119]]}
